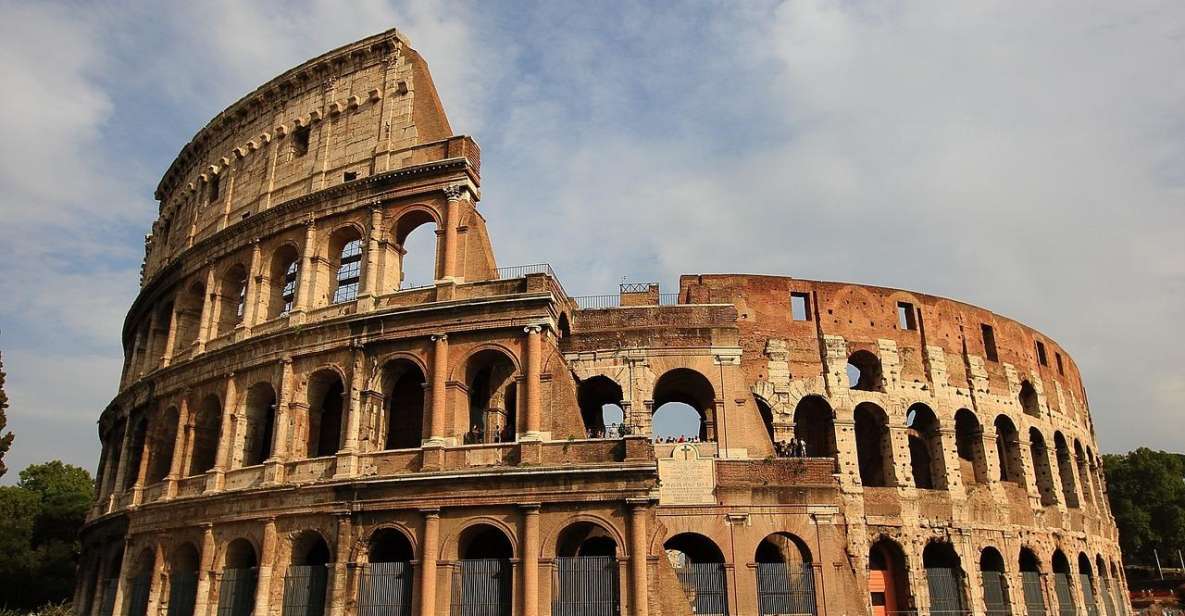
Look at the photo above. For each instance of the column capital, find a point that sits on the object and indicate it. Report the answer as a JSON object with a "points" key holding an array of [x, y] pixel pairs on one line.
{"points": [[531, 508], [430, 512], [533, 329], [455, 192], [439, 337]]}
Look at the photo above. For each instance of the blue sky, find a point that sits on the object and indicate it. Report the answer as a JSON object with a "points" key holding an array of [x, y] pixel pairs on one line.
{"points": [[1027, 157]]}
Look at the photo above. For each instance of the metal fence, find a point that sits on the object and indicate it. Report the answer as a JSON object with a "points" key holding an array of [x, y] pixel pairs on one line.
{"points": [[107, 605], [138, 594], [518, 271], [946, 590], [182, 593], [1108, 596], [1034, 595], [586, 586], [304, 590], [1065, 598], [236, 593], [385, 589], [614, 301], [704, 585], [784, 590], [482, 587], [1092, 608], [995, 594]]}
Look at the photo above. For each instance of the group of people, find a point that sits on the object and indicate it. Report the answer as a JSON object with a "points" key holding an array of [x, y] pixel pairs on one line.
{"points": [[676, 439], [476, 435], [609, 431], [794, 448]]}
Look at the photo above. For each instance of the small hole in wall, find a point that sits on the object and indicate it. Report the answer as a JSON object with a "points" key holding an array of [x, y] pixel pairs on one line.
{"points": [[245, 215], [349, 176]]}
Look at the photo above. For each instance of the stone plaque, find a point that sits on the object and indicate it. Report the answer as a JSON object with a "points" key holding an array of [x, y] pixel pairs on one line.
{"points": [[685, 478]]}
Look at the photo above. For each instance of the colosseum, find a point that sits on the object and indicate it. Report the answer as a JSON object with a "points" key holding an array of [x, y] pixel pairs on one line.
{"points": [[301, 430]]}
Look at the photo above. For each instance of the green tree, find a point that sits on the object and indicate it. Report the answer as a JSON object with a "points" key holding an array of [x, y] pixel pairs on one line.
{"points": [[5, 439], [40, 518], [1147, 492]]}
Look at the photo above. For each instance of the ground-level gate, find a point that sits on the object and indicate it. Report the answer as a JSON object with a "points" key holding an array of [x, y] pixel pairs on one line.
{"points": [[385, 589], [1034, 595], [995, 594], [482, 587], [182, 593], [236, 592], [703, 583], [586, 586], [946, 590], [784, 589], [304, 590], [1065, 597], [138, 595]]}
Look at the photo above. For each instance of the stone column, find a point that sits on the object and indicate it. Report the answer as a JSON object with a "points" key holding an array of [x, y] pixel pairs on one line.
{"points": [[307, 276], [439, 394], [455, 193], [252, 294], [125, 568], [107, 478], [178, 447], [156, 584], [347, 458], [142, 469], [639, 592], [229, 410], [532, 361], [280, 436], [171, 336], [147, 362], [121, 472], [207, 311], [340, 571], [370, 273], [205, 571], [267, 556], [530, 559], [428, 555]]}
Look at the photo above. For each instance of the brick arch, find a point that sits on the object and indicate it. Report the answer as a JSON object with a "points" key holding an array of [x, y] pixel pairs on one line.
{"points": [[324, 241], [223, 545], [449, 548], [288, 540], [360, 549], [381, 362], [550, 542], [397, 234], [461, 367]]}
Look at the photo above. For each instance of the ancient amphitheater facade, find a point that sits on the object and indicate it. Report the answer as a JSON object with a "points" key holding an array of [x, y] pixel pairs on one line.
{"points": [[299, 431]]}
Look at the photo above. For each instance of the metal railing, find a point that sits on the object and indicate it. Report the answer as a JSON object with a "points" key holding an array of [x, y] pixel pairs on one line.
{"points": [[182, 593], [588, 302], [704, 585], [518, 271], [386, 589], [785, 589], [586, 586]]}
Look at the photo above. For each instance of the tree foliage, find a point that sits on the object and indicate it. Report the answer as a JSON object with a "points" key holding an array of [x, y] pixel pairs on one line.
{"points": [[5, 438], [1147, 492], [39, 522]]}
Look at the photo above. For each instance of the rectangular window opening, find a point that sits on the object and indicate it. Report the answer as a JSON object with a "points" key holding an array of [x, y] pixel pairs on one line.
{"points": [[1041, 354], [989, 342], [349, 176], [1058, 359], [907, 317], [800, 306], [215, 188], [300, 141]]}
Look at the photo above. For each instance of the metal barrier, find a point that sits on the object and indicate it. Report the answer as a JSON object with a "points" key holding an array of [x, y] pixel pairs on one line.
{"points": [[946, 590], [236, 593], [182, 593], [592, 302], [304, 590], [704, 585], [518, 271], [1092, 608], [138, 595], [1034, 595], [1108, 596], [1065, 598], [586, 586], [784, 590], [482, 587], [386, 589], [107, 605], [995, 595]]}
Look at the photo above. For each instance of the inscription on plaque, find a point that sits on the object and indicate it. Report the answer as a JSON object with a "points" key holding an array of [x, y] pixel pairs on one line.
{"points": [[686, 479]]}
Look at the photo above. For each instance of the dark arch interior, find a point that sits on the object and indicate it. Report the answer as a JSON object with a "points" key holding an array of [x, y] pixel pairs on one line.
{"points": [[310, 549], [207, 427], [403, 383], [1041, 468], [1008, 450], [991, 560], [261, 423], [593, 395], [925, 448], [585, 539], [1028, 561], [814, 425], [240, 554], [283, 278], [782, 548], [872, 444], [1084, 566], [164, 438], [1028, 399], [940, 555], [969, 447], [139, 437], [388, 545], [185, 559], [866, 368], [493, 398], [326, 395], [697, 548], [484, 541], [1059, 562]]}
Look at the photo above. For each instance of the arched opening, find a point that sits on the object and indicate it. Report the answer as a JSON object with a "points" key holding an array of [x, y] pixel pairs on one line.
{"points": [[969, 446], [136, 451], [675, 394], [164, 440], [888, 579], [995, 583], [1008, 451], [925, 448], [139, 585], [767, 420], [1084, 473], [586, 578], [1065, 470], [403, 403], [785, 578], [160, 334], [699, 565], [493, 398], [864, 372], [387, 579], [1086, 582], [283, 276], [345, 254], [326, 399], [261, 424], [944, 578], [1106, 588], [1028, 399], [564, 326], [814, 427], [114, 449], [189, 316], [240, 573], [415, 244], [1121, 600], [207, 425], [232, 299], [874, 448], [1041, 468], [183, 577], [110, 581], [1030, 577], [1061, 585], [483, 580], [600, 400], [307, 576]]}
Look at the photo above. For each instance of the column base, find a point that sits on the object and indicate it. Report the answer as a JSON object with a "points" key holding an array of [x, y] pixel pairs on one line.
{"points": [[347, 465], [432, 458], [170, 491], [215, 480], [530, 452], [137, 495], [274, 471]]}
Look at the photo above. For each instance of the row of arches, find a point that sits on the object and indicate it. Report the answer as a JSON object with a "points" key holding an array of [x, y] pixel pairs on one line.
{"points": [[216, 305], [1039, 589]]}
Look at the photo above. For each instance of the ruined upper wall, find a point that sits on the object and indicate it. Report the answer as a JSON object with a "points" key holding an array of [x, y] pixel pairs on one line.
{"points": [[361, 109]]}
